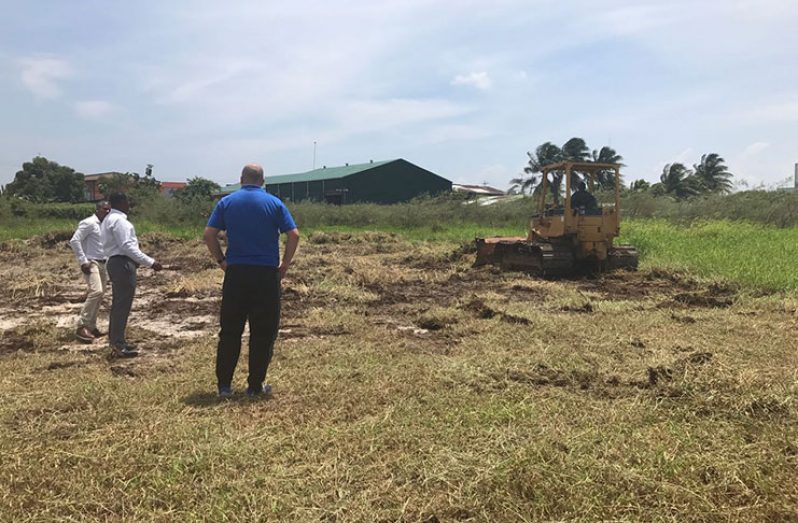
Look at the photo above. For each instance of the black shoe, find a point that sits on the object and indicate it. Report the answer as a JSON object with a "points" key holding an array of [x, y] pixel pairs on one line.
{"points": [[225, 392], [264, 391], [124, 351]]}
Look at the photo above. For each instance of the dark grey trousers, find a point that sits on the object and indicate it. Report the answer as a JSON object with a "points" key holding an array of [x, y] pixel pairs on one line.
{"points": [[122, 273]]}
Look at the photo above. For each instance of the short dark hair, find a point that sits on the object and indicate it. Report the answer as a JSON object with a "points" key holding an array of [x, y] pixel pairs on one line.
{"points": [[581, 186], [117, 198]]}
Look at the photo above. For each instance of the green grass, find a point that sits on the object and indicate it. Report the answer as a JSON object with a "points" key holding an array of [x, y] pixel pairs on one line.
{"points": [[184, 232], [19, 228], [756, 256], [24, 228]]}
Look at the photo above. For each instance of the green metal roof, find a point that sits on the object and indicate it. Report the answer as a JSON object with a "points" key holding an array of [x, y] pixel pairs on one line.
{"points": [[316, 175]]}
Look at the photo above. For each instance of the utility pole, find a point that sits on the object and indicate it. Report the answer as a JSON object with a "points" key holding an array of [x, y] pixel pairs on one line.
{"points": [[314, 154]]}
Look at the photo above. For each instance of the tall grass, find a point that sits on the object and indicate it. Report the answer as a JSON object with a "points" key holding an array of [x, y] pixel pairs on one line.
{"points": [[758, 256], [23, 228], [421, 213], [779, 208], [772, 208]]}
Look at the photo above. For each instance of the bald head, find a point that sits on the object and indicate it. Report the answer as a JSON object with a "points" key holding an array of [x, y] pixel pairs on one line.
{"points": [[252, 175]]}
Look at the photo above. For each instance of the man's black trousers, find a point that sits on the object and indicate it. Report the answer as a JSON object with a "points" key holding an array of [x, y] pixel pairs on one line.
{"points": [[251, 293]]}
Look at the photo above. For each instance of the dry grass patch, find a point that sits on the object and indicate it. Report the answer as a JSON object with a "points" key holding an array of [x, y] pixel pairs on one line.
{"points": [[201, 283]]}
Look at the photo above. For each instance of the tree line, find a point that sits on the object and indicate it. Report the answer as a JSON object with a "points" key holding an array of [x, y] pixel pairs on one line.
{"points": [[43, 181], [709, 176]]}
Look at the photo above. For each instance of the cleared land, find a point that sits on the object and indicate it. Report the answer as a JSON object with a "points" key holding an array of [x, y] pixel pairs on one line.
{"points": [[408, 387]]}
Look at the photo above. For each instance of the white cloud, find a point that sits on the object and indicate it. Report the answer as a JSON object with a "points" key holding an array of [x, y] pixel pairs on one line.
{"points": [[764, 9], [754, 149], [479, 80], [411, 118], [451, 132], [363, 116], [94, 109], [634, 20], [41, 75], [770, 113]]}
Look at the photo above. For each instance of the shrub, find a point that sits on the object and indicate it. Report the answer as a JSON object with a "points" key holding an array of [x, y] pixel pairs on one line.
{"points": [[20, 208]]}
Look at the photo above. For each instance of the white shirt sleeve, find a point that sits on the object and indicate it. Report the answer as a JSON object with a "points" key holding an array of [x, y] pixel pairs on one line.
{"points": [[125, 235], [76, 242]]}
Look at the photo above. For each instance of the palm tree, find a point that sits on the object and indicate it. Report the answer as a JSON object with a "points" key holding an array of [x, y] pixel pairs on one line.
{"points": [[574, 150], [545, 154], [606, 178], [713, 174], [679, 181]]}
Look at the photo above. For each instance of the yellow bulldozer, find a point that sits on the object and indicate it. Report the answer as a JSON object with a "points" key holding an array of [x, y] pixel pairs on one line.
{"points": [[566, 239]]}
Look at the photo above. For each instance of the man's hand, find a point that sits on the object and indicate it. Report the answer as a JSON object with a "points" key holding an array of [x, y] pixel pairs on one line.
{"points": [[292, 241], [282, 269], [86, 268], [156, 267]]}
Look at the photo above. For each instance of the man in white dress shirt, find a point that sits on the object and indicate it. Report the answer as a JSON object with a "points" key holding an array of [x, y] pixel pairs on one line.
{"points": [[88, 249], [124, 257]]}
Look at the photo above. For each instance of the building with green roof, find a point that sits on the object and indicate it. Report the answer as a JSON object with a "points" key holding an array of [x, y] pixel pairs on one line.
{"points": [[390, 181]]}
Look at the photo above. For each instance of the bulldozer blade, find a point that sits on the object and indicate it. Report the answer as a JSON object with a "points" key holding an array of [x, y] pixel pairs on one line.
{"points": [[622, 257], [486, 248]]}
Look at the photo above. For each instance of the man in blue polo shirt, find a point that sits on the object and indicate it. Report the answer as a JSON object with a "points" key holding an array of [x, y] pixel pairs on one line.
{"points": [[254, 220]]}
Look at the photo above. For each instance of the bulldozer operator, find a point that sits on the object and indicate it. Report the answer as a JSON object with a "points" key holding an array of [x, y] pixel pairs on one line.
{"points": [[582, 199]]}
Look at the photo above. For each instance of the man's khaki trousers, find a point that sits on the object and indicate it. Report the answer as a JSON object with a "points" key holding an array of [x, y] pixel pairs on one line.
{"points": [[96, 281]]}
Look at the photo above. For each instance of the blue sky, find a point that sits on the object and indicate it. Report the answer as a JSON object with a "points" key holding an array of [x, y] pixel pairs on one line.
{"points": [[463, 88]]}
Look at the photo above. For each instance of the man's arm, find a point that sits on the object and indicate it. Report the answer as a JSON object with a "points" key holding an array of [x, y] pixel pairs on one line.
{"points": [[290, 249], [76, 242], [125, 235], [212, 241]]}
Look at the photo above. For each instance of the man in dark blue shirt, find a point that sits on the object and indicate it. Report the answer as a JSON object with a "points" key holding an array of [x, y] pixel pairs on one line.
{"points": [[582, 199], [254, 220]]}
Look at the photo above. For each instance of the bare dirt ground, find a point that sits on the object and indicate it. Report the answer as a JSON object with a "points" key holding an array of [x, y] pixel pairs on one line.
{"points": [[45, 292], [677, 390]]}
